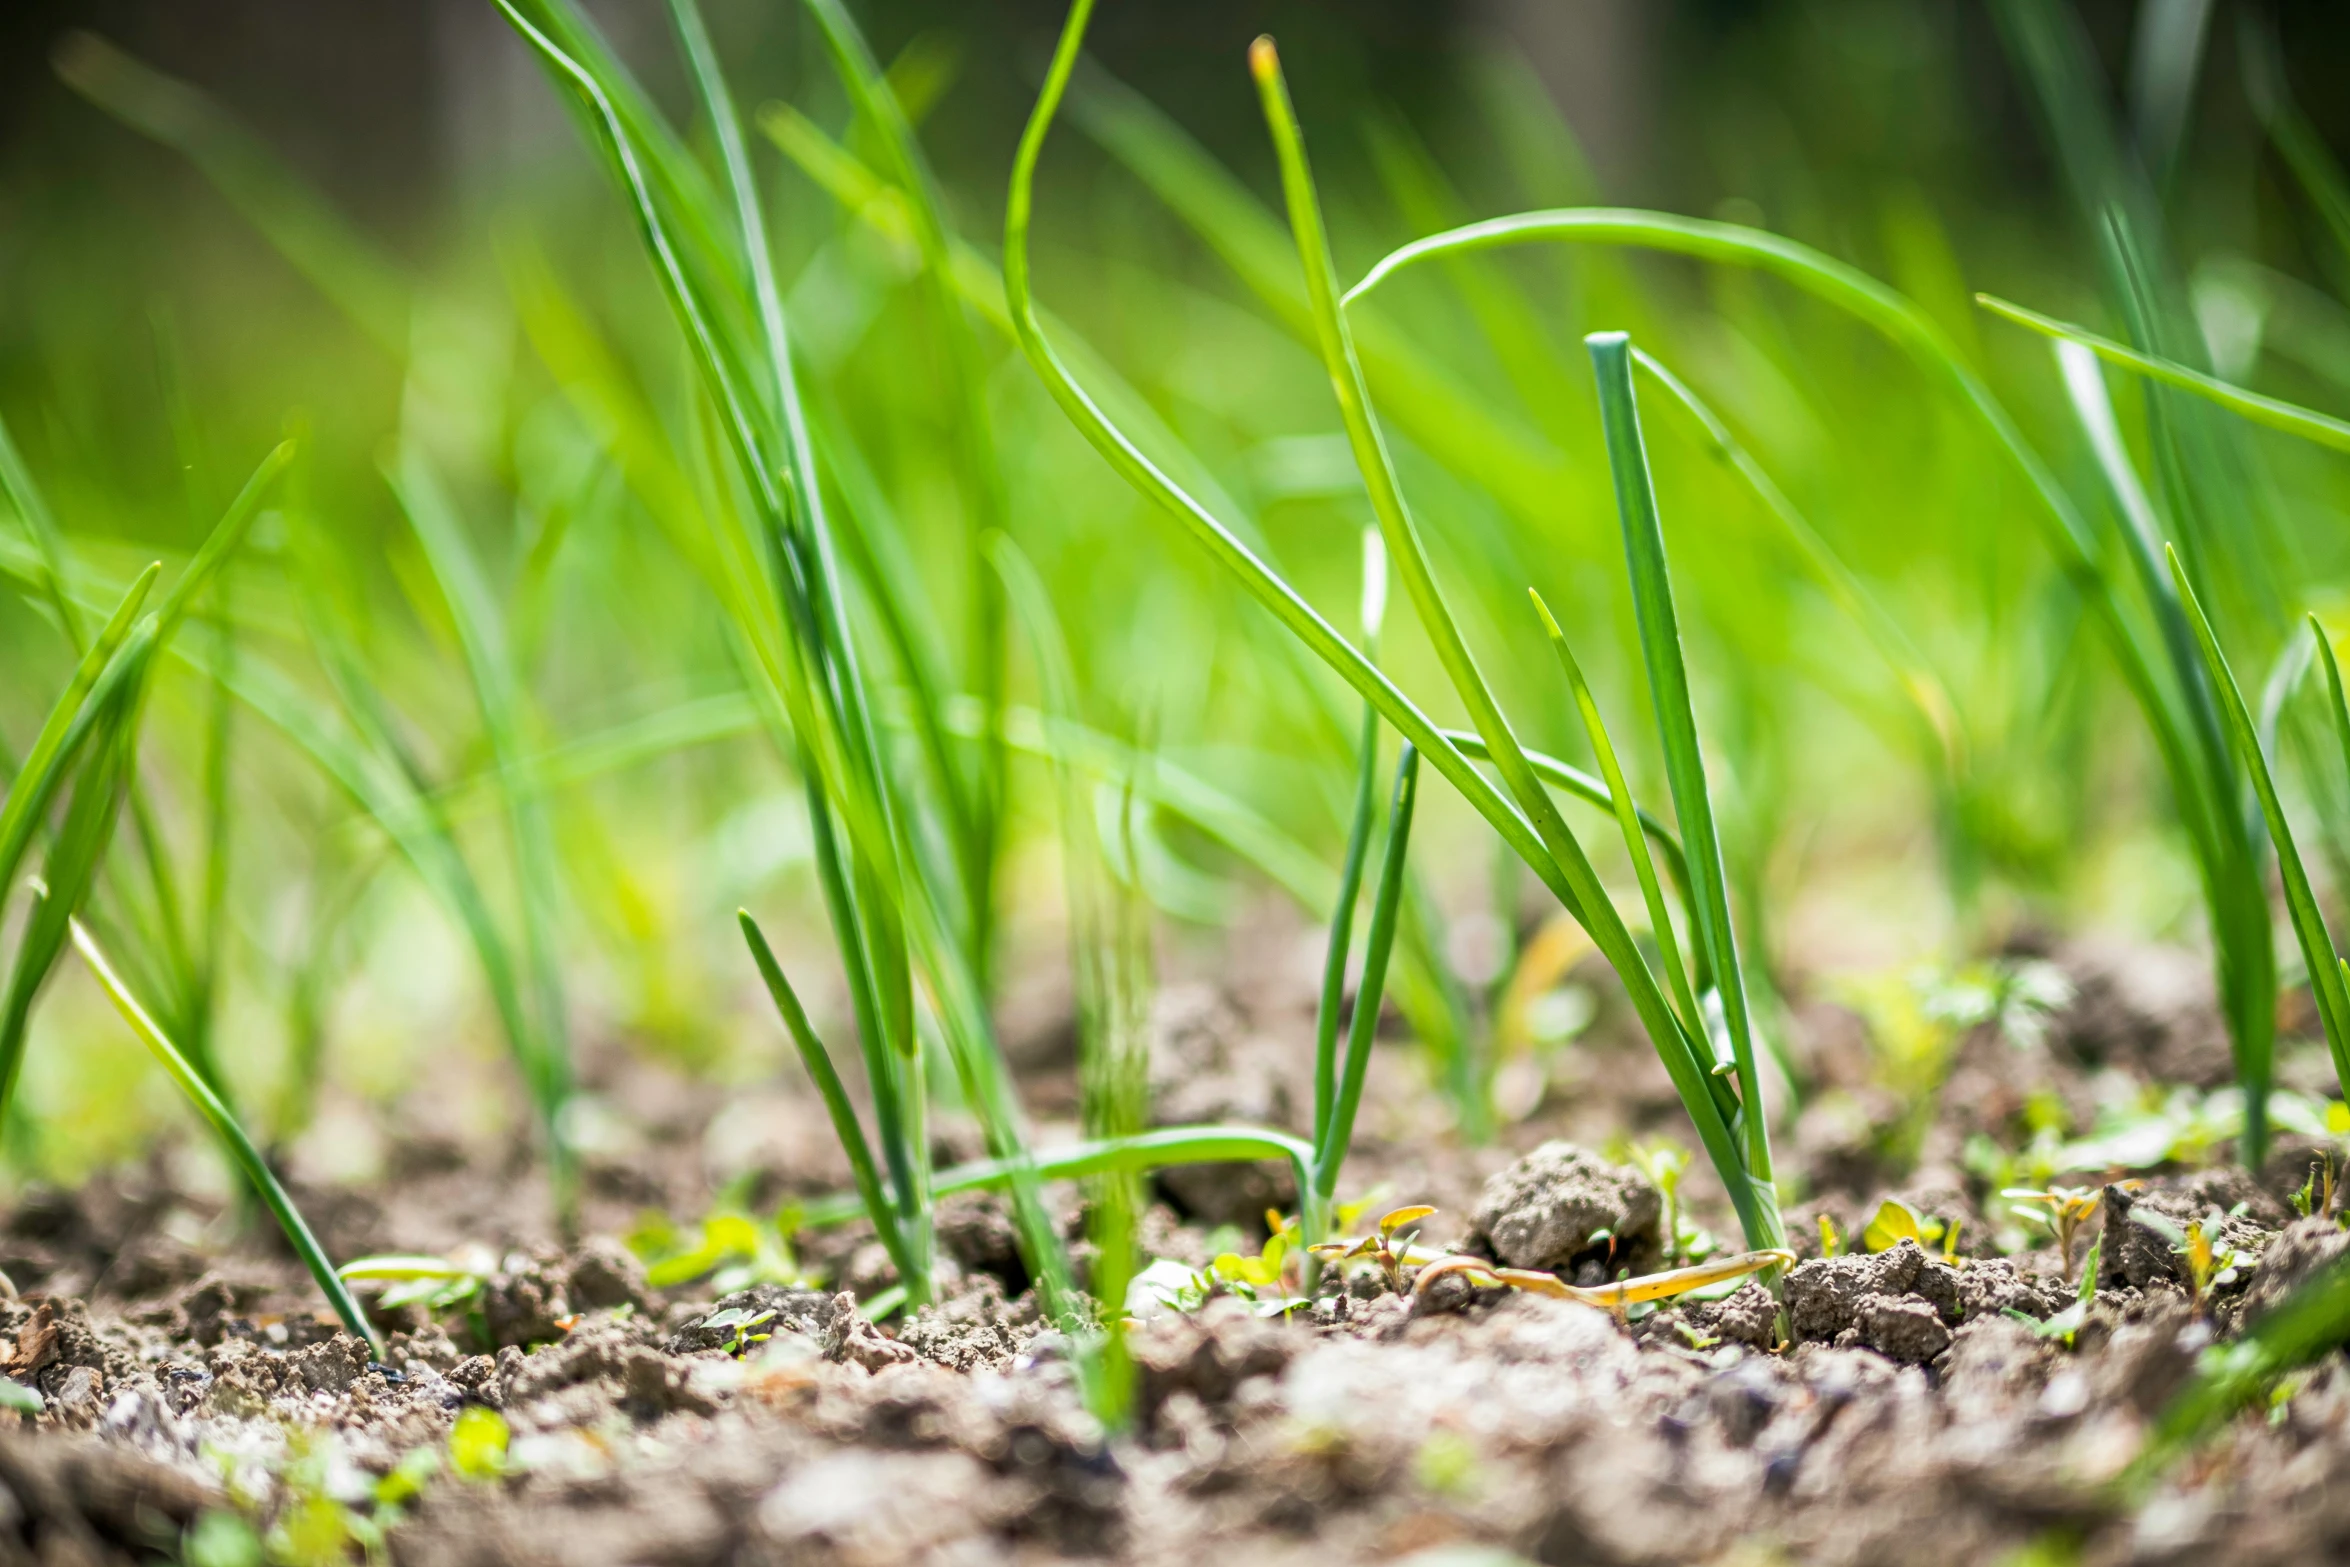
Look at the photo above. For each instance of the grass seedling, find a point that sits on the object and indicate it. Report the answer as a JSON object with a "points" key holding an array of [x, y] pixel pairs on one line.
{"points": [[1527, 818]]}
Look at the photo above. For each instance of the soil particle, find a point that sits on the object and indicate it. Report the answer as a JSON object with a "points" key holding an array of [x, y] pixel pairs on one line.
{"points": [[1909, 1331], [604, 1275], [858, 1342], [1209, 1354], [2304, 1248], [525, 1301], [332, 1366], [976, 1229], [974, 1330], [1561, 1206], [1826, 1296]]}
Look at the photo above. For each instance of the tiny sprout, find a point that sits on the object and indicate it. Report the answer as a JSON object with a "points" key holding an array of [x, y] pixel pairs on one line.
{"points": [[741, 1322], [2316, 1196], [1389, 1248], [2061, 1210], [1831, 1244], [477, 1443]]}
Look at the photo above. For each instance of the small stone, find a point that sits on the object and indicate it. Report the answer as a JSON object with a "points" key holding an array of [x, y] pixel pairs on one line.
{"points": [[1561, 1203]]}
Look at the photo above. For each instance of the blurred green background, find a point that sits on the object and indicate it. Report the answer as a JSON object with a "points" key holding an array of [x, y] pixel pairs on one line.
{"points": [[381, 196]]}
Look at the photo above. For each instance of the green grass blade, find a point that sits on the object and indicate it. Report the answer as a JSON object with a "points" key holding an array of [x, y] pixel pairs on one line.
{"points": [[1585, 898], [2317, 948], [2277, 414], [1219, 540], [845, 1124], [1668, 684], [54, 748], [232, 1136], [973, 441], [71, 867], [1342, 919], [1330, 1148], [1627, 815]]}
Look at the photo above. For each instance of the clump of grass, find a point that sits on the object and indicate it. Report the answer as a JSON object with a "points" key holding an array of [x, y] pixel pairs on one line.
{"points": [[1731, 1121]]}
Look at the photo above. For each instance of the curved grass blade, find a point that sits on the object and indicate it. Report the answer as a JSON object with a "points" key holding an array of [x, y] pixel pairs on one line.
{"points": [[818, 1061], [71, 867], [1219, 540], [2317, 948], [232, 1136], [2275, 412], [1378, 942]]}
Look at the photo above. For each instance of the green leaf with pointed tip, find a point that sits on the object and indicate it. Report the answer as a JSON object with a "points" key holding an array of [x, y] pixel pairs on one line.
{"points": [[2274, 412], [2317, 947]]}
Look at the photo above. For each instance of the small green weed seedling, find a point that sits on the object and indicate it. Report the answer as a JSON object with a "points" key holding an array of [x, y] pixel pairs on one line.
{"points": [[1896, 1221], [2066, 1323], [1665, 1164], [2058, 1210], [2210, 1263], [1387, 1248], [434, 1283], [2315, 1199], [737, 1323]]}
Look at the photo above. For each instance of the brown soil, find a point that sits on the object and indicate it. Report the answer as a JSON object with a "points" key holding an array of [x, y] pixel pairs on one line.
{"points": [[1909, 1417]]}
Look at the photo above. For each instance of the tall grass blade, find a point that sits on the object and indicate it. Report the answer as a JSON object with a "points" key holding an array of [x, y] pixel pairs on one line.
{"points": [[845, 1125], [2317, 948], [1337, 1134], [225, 1125], [1668, 685]]}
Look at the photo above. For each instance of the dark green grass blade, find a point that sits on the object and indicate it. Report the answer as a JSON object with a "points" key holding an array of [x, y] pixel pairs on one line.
{"points": [[1331, 1146], [224, 1123], [1585, 898], [818, 1062], [1668, 684], [2276, 413], [2317, 948], [1627, 815]]}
